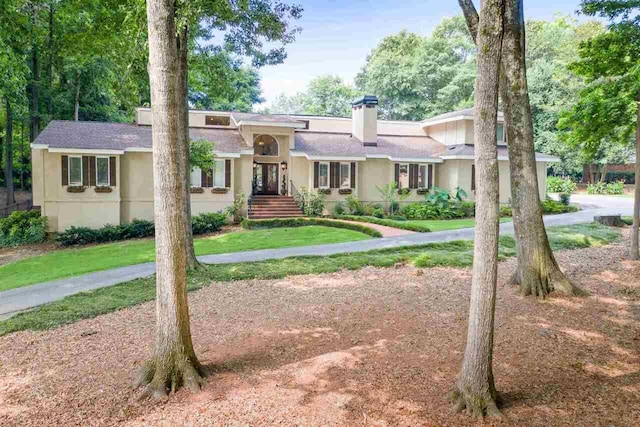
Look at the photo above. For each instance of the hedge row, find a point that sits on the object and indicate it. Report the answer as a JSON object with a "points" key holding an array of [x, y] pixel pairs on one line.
{"points": [[405, 225], [138, 228], [301, 222]]}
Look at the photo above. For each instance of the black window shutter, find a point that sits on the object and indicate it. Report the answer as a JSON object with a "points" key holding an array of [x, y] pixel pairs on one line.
{"points": [[413, 176], [335, 175], [227, 173], [92, 171], [473, 177], [85, 170], [353, 174], [316, 174], [65, 170], [203, 178], [397, 174], [430, 177], [112, 171]]}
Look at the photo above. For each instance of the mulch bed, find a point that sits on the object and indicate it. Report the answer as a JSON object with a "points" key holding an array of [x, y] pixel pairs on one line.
{"points": [[368, 347]]}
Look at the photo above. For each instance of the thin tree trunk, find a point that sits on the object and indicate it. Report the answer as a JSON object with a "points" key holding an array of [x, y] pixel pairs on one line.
{"points": [[76, 105], [603, 174], [8, 155], [537, 271], [174, 362], [475, 389], [183, 136], [23, 155], [634, 253], [50, 63], [34, 113]]}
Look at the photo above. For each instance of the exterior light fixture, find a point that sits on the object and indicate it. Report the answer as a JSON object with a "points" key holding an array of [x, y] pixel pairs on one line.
{"points": [[283, 165]]}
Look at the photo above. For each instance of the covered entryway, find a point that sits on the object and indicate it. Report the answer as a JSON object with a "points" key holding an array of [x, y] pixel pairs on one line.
{"points": [[265, 179]]}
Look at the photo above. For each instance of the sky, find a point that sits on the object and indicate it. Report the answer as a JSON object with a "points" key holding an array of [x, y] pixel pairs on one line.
{"points": [[337, 35]]}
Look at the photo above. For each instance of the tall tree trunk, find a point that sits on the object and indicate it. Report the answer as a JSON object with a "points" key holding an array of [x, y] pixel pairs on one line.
{"points": [[634, 253], [8, 155], [23, 156], [183, 136], [537, 271], [50, 63], [76, 104], [174, 362], [475, 389], [34, 112]]}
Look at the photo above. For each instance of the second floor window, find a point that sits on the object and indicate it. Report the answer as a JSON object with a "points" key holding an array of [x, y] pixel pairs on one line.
{"points": [[265, 145], [218, 173], [75, 170], [102, 171]]}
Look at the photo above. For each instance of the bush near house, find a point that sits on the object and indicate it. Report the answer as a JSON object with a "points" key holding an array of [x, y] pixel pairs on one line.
{"points": [[449, 209], [556, 184], [23, 227], [138, 228], [549, 206], [311, 202], [395, 223], [251, 224], [610, 188]]}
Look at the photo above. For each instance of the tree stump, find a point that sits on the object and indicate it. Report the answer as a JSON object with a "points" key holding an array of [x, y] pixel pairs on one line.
{"points": [[610, 220]]}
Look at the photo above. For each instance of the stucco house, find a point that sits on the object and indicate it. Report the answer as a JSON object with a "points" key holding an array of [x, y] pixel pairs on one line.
{"points": [[92, 173]]}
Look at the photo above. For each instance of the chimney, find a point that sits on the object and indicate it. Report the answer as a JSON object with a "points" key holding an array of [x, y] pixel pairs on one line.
{"points": [[364, 120]]}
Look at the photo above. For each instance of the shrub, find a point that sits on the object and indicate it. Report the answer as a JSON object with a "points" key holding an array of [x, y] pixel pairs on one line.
{"points": [[550, 206], [611, 188], [378, 212], [138, 228], [23, 227], [556, 184], [405, 225], [597, 188], [78, 236], [111, 233], [301, 222], [505, 211], [397, 218], [627, 177], [468, 208], [565, 199], [208, 222], [616, 187], [235, 209], [353, 206], [338, 209], [310, 202], [390, 194], [440, 209]]}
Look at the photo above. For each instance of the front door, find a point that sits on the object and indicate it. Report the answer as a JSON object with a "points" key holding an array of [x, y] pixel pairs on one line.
{"points": [[265, 178]]}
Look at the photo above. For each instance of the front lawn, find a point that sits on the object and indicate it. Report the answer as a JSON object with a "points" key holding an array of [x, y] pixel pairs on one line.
{"points": [[454, 254], [447, 224], [73, 262]]}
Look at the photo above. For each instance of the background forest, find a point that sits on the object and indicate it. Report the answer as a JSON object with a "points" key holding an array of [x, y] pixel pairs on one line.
{"points": [[86, 60]]}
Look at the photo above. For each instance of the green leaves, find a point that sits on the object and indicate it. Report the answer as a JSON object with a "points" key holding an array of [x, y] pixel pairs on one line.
{"points": [[201, 154]]}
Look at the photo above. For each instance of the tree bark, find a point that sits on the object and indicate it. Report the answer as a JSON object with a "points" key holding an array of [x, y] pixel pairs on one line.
{"points": [[634, 252], [8, 155], [537, 272], [76, 104], [183, 136], [34, 113], [475, 389], [174, 362]]}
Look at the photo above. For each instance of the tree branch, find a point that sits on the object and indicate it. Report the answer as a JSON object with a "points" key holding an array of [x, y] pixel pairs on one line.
{"points": [[471, 16]]}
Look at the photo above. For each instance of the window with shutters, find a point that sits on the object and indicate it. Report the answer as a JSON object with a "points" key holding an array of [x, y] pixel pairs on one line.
{"points": [[75, 170], [403, 177], [473, 177], [196, 177], [323, 175], [345, 175], [422, 176], [218, 173], [102, 171]]}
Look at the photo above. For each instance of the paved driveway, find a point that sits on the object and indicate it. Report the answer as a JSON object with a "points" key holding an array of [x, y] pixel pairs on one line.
{"points": [[27, 297]]}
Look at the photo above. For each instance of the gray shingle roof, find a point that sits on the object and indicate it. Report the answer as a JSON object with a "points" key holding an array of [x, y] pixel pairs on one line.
{"points": [[121, 136], [468, 150], [467, 112], [344, 145], [254, 117]]}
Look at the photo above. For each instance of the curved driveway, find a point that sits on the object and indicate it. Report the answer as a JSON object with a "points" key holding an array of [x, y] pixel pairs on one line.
{"points": [[27, 297]]}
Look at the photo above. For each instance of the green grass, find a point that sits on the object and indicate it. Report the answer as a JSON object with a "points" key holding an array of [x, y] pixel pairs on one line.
{"points": [[72, 262], [405, 225], [454, 254], [447, 224]]}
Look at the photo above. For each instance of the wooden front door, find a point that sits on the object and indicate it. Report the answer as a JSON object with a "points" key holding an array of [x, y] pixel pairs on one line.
{"points": [[265, 178]]}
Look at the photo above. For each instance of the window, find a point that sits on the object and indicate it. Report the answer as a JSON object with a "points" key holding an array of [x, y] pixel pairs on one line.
{"points": [[196, 177], [217, 120], [75, 170], [422, 176], [323, 175], [102, 171], [265, 145], [345, 175], [403, 177], [473, 177], [218, 173], [500, 132]]}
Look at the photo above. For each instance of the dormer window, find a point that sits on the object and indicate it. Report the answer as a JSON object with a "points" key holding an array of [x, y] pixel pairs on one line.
{"points": [[217, 120]]}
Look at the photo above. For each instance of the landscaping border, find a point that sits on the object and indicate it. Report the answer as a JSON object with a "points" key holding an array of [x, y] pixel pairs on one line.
{"points": [[251, 224], [383, 221]]}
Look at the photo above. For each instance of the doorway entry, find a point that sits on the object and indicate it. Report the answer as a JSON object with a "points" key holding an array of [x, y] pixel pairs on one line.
{"points": [[265, 179]]}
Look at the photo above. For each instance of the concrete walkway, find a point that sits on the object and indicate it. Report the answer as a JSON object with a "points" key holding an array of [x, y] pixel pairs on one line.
{"points": [[383, 229], [27, 297]]}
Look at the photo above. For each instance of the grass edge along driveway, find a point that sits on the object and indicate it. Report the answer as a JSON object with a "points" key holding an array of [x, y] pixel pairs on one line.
{"points": [[64, 263], [453, 254]]}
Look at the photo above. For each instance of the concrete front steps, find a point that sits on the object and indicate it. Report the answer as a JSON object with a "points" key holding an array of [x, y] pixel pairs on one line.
{"points": [[263, 207]]}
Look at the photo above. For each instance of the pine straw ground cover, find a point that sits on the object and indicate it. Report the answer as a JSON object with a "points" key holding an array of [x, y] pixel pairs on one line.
{"points": [[369, 347]]}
